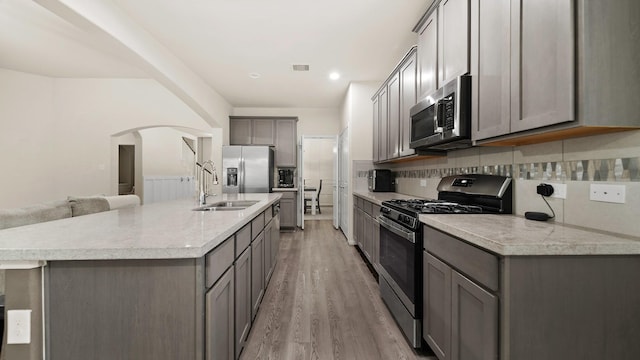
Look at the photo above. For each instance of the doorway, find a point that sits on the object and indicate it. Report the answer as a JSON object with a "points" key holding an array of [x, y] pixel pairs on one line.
{"points": [[126, 169], [318, 159]]}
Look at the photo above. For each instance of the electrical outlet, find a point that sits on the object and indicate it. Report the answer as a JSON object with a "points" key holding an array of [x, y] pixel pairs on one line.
{"points": [[423, 182], [559, 191], [607, 193], [18, 326]]}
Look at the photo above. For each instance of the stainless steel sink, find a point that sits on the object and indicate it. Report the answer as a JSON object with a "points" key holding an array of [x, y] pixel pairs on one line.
{"points": [[231, 205]]}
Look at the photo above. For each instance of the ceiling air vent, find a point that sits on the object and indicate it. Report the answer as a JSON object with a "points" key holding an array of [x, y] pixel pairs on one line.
{"points": [[298, 67]]}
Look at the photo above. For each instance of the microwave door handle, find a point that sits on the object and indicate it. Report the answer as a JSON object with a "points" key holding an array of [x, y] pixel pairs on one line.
{"points": [[440, 117]]}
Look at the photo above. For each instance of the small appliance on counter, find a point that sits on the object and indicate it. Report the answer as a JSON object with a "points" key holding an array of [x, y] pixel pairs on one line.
{"points": [[285, 178], [381, 180]]}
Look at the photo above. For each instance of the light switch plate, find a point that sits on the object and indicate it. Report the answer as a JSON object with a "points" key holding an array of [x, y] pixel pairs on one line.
{"points": [[18, 326], [559, 190], [607, 193]]}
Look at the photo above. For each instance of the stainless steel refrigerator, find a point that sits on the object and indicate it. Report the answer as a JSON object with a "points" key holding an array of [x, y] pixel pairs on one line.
{"points": [[247, 169]]}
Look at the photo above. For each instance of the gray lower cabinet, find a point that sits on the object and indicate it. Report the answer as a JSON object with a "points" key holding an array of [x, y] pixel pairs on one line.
{"points": [[257, 273], [268, 259], [460, 318], [288, 209], [220, 318], [243, 299], [478, 305], [366, 230]]}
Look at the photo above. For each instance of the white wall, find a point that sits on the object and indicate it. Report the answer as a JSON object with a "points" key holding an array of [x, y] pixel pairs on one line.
{"points": [[162, 150], [357, 116], [63, 130], [318, 164]]}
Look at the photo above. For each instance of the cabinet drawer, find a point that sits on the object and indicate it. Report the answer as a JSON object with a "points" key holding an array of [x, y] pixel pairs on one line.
{"points": [[268, 214], [243, 239], [376, 211], [257, 225], [218, 261], [368, 208], [467, 259]]}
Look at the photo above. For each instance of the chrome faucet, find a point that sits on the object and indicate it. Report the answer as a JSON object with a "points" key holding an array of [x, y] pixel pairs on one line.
{"points": [[203, 191]]}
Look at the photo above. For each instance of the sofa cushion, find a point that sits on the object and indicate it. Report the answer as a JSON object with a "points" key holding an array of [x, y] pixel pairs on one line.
{"points": [[85, 205], [122, 201], [34, 214]]}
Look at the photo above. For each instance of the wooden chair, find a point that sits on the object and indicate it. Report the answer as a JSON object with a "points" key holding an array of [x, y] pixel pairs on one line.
{"points": [[307, 206]]}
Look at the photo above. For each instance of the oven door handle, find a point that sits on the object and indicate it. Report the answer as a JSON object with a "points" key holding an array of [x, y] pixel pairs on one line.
{"points": [[397, 229]]}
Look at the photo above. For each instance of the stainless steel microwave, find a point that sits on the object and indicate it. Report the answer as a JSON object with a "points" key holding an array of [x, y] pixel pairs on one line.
{"points": [[442, 120]]}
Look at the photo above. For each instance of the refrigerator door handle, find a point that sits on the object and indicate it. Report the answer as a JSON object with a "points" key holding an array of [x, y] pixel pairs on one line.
{"points": [[241, 182]]}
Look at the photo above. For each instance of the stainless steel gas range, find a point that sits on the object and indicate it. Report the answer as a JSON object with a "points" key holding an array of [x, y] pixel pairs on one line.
{"points": [[401, 239]]}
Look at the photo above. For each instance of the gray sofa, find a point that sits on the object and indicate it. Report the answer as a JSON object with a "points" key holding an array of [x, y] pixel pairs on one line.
{"points": [[61, 209]]}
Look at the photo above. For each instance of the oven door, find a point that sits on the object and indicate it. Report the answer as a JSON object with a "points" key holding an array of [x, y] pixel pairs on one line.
{"points": [[398, 261]]}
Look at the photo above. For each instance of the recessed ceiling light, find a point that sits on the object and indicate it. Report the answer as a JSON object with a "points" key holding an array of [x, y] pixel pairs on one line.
{"points": [[254, 75], [334, 76]]}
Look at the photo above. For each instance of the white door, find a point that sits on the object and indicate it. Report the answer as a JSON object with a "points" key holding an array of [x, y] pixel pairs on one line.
{"points": [[336, 184], [301, 184], [343, 180]]}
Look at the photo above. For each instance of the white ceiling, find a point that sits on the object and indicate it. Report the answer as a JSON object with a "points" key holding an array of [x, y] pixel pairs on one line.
{"points": [[223, 41]]}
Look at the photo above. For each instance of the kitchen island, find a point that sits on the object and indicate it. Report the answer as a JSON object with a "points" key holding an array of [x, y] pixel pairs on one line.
{"points": [[158, 281]]}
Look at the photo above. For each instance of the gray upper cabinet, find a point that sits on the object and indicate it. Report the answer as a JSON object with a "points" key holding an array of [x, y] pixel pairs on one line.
{"points": [[408, 92], [243, 131], [240, 131], [270, 131], [453, 39], [543, 63], [376, 119], [286, 139], [391, 111], [490, 66], [383, 123], [428, 55], [263, 132], [393, 125]]}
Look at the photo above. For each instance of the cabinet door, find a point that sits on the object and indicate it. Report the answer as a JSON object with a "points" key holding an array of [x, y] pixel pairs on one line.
{"points": [[393, 126], [257, 273], [286, 139], [243, 299], [543, 63], [240, 131], [408, 87], [453, 38], [275, 240], [263, 132], [220, 317], [383, 123], [490, 68], [367, 229], [437, 306], [287, 212], [376, 124], [474, 333], [268, 243], [428, 56], [376, 244]]}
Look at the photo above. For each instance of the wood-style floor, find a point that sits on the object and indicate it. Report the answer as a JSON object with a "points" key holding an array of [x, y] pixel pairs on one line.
{"points": [[323, 303]]}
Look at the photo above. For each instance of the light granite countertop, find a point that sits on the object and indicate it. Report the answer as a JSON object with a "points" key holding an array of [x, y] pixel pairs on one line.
{"points": [[278, 189], [379, 197], [155, 231], [514, 235], [511, 235]]}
